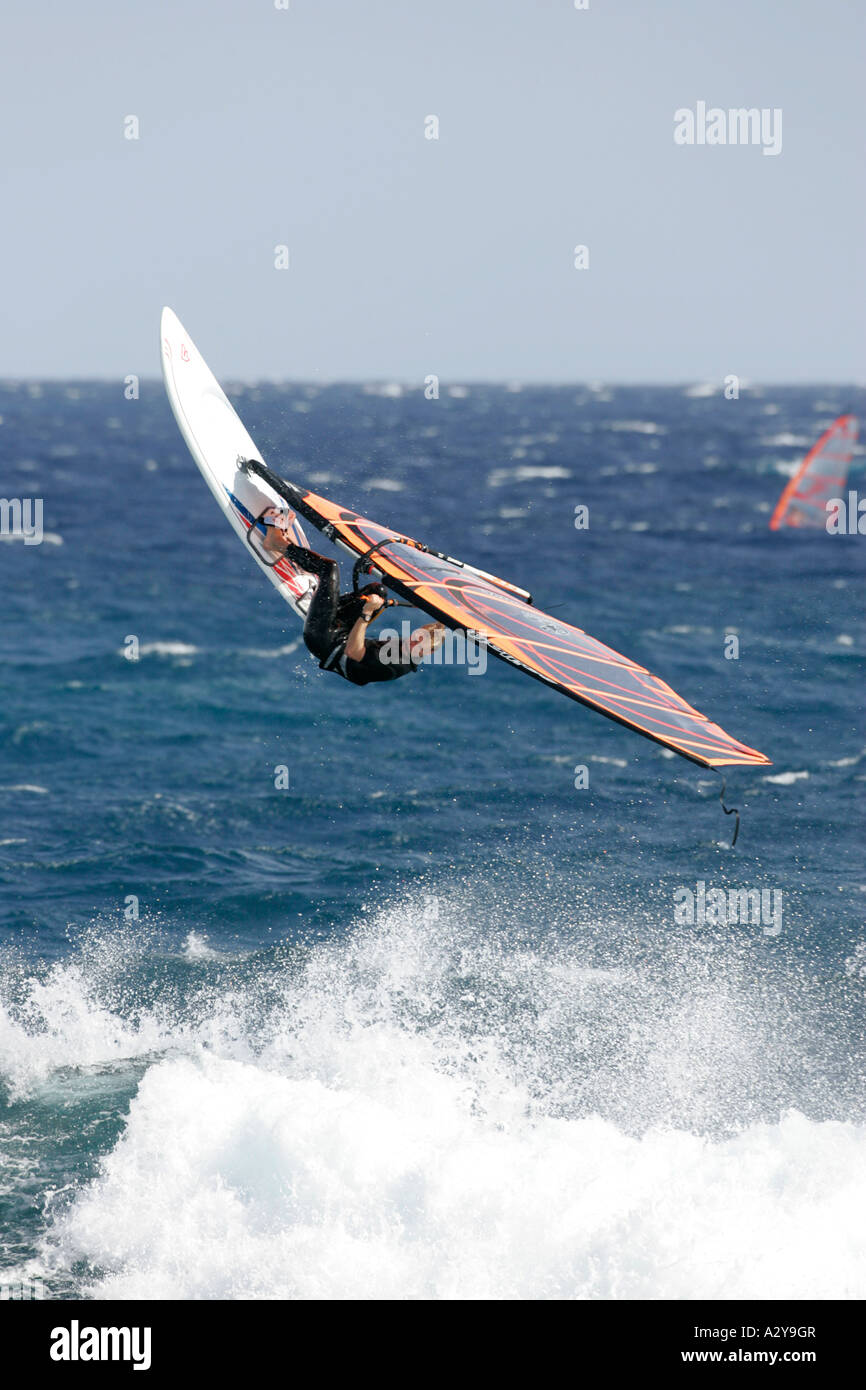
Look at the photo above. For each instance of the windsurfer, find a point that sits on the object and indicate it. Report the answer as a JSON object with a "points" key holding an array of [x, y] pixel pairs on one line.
{"points": [[335, 630]]}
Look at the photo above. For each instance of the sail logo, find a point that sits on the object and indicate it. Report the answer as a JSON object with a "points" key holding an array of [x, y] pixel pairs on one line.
{"points": [[741, 125], [77, 1343], [21, 519], [846, 517], [759, 907]]}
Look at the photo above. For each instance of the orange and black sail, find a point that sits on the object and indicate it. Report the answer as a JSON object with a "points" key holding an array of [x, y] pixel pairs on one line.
{"points": [[513, 629]]}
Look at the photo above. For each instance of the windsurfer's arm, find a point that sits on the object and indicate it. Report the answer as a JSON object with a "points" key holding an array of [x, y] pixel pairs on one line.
{"points": [[357, 637]]}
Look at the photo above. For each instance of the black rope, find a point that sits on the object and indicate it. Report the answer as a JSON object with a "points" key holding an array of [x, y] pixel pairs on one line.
{"points": [[358, 567], [730, 811], [361, 560]]}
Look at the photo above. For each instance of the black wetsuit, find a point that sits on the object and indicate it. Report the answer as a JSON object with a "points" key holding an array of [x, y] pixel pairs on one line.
{"points": [[330, 619]]}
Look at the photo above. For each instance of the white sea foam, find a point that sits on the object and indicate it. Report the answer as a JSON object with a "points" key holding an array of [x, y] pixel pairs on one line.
{"points": [[636, 427], [787, 439], [850, 761], [66, 1024], [163, 649], [47, 538], [282, 1187], [196, 947], [786, 779], [429, 1111], [271, 653], [525, 473]]}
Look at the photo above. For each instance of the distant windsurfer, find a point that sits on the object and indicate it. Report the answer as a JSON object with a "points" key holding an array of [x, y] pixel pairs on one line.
{"points": [[335, 630]]}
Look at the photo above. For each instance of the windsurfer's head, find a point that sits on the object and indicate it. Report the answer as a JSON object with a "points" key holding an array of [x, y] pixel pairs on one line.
{"points": [[424, 641]]}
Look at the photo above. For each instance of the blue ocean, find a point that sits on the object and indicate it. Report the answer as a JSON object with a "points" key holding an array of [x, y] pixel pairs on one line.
{"points": [[316, 992]]}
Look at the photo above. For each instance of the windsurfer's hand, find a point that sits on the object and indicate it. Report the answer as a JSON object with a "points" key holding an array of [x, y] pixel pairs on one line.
{"points": [[372, 606]]}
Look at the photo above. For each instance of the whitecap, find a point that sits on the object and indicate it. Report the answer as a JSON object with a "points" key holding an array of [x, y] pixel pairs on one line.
{"points": [[270, 653], [636, 427], [163, 649], [786, 440], [526, 473]]}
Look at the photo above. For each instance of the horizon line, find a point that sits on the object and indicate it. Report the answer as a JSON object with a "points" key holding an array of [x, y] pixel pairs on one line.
{"points": [[413, 384]]}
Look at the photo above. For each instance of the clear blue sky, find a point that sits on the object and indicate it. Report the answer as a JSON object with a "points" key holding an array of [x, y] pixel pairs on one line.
{"points": [[408, 256]]}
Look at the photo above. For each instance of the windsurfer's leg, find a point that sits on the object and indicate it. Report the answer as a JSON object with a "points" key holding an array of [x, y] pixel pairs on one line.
{"points": [[321, 629], [308, 560]]}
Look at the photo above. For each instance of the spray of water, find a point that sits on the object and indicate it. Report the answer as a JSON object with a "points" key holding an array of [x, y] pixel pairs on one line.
{"points": [[446, 1103]]}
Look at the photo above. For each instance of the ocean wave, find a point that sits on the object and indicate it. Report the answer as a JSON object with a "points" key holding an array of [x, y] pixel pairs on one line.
{"points": [[430, 1109], [284, 1187]]}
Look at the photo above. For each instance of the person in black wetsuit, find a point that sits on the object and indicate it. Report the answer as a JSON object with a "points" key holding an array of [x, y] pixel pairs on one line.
{"points": [[336, 625]]}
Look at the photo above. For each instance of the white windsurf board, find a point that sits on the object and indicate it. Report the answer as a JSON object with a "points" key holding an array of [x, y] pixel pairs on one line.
{"points": [[218, 442]]}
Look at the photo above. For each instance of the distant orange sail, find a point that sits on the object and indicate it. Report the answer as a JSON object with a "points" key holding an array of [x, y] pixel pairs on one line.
{"points": [[513, 629], [821, 475]]}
